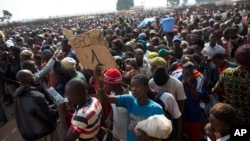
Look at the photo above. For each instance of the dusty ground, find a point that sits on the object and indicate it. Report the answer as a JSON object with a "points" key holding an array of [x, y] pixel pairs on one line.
{"points": [[9, 131]]}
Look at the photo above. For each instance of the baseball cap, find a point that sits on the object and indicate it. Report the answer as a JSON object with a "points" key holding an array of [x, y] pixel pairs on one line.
{"points": [[177, 37]]}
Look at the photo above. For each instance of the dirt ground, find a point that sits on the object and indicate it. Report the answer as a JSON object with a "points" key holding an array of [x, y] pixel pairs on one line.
{"points": [[9, 131]]}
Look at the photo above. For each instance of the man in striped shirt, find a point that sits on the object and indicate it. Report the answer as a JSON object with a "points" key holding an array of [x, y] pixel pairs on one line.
{"points": [[85, 122]]}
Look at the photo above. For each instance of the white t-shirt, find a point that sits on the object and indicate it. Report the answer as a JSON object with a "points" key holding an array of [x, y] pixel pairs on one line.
{"points": [[170, 104], [173, 86], [225, 138], [120, 120], [210, 51]]}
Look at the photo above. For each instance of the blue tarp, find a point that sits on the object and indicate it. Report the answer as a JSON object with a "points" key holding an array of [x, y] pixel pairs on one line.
{"points": [[145, 22]]}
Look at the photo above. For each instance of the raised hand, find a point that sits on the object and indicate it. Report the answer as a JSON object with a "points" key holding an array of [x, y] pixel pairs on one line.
{"points": [[99, 73]]}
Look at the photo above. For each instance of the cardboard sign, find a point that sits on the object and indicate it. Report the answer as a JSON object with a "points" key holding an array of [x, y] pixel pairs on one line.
{"points": [[68, 33], [91, 49]]}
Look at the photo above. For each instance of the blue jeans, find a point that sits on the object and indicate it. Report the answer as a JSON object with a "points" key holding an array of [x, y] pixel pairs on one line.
{"points": [[2, 115]]}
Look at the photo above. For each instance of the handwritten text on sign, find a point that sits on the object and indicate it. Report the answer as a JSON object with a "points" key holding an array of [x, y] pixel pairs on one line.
{"points": [[91, 49]]}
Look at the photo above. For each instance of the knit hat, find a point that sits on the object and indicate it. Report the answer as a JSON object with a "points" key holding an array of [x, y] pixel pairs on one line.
{"points": [[242, 55], [163, 52], [68, 63], [113, 76], [160, 76], [144, 43], [158, 61], [152, 55]]}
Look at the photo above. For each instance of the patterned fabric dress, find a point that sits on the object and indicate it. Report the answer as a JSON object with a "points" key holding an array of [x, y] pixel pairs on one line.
{"points": [[236, 83]]}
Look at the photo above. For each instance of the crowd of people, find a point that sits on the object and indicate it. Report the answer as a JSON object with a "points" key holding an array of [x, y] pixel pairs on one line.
{"points": [[198, 74]]}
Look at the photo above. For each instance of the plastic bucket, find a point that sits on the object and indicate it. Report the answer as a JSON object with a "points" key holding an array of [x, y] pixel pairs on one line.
{"points": [[168, 24]]}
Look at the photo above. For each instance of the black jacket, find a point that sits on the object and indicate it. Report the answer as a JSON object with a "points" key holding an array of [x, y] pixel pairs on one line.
{"points": [[35, 119]]}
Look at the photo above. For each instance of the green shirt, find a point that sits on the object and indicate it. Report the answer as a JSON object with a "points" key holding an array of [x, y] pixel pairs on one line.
{"points": [[80, 75]]}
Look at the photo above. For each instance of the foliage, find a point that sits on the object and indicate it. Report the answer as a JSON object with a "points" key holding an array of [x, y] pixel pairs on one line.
{"points": [[173, 2], [124, 4], [6, 15]]}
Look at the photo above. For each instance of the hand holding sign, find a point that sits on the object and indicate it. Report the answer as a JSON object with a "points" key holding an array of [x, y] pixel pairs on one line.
{"points": [[99, 73]]}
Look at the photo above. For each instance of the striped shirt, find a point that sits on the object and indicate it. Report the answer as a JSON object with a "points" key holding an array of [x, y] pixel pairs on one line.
{"points": [[86, 119]]}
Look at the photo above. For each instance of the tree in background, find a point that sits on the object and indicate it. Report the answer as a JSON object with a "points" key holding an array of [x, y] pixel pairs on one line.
{"points": [[173, 2], [6, 15], [124, 4]]}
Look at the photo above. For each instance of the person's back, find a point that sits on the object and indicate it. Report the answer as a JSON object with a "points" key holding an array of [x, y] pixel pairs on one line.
{"points": [[168, 100], [235, 82], [173, 86], [33, 122], [221, 64], [35, 119]]}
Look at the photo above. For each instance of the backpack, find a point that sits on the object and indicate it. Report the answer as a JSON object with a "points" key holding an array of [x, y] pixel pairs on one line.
{"points": [[157, 99]]}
